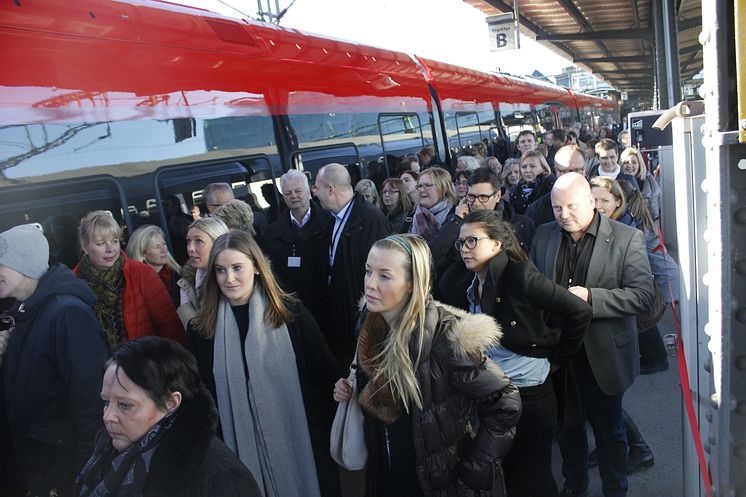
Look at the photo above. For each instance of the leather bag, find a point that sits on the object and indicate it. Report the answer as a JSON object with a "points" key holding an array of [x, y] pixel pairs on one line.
{"points": [[347, 440]]}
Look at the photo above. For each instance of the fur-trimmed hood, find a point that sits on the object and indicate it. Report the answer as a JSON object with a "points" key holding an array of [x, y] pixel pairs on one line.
{"points": [[467, 335]]}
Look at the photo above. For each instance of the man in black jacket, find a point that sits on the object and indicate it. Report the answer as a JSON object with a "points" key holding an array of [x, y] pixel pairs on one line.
{"points": [[296, 243], [52, 366], [356, 227]]}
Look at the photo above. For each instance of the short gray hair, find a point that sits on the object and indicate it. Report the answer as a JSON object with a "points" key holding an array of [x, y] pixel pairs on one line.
{"points": [[209, 191], [237, 215], [294, 174]]}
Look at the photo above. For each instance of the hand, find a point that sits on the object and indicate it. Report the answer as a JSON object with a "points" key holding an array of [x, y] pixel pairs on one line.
{"points": [[462, 209], [342, 390], [579, 291]]}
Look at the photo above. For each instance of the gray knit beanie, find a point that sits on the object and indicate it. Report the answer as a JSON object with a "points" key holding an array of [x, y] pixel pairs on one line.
{"points": [[24, 249]]}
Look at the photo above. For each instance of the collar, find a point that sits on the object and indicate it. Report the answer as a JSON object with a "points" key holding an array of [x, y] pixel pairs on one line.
{"points": [[343, 212], [592, 229], [303, 221], [613, 174]]}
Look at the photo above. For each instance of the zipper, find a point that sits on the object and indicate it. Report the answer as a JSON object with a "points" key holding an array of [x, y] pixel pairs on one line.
{"points": [[388, 445]]}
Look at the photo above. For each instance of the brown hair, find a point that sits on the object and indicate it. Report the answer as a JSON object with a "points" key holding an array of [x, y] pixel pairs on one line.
{"points": [[498, 230], [279, 302]]}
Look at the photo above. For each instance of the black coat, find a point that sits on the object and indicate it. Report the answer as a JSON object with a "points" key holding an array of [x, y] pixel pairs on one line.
{"points": [[52, 374], [523, 301], [541, 186], [318, 371], [283, 239], [458, 383], [365, 225]]}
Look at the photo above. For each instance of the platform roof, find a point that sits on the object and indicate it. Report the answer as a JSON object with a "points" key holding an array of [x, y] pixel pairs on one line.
{"points": [[613, 39]]}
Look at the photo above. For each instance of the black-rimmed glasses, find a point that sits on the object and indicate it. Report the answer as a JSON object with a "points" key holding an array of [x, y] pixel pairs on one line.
{"points": [[482, 198], [469, 242]]}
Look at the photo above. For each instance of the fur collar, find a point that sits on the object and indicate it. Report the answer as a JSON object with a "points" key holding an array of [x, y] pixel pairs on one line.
{"points": [[182, 451], [467, 335]]}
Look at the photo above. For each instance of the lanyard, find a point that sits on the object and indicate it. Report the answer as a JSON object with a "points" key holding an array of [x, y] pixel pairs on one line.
{"points": [[337, 233]]}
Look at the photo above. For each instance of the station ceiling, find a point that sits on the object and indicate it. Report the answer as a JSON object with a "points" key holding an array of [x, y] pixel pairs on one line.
{"points": [[613, 39]]}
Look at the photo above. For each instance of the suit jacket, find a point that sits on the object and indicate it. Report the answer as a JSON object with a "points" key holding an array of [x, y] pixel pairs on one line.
{"points": [[365, 225], [621, 286]]}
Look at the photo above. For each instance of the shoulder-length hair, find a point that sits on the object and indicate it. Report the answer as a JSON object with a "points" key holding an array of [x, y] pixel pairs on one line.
{"points": [[367, 186], [545, 171], [403, 204], [612, 186], [497, 229], [141, 241], [98, 223], [211, 226], [441, 179], [642, 172], [396, 366], [278, 303]]}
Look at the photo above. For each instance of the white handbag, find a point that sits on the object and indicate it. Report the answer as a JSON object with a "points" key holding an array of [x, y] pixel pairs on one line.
{"points": [[347, 440]]}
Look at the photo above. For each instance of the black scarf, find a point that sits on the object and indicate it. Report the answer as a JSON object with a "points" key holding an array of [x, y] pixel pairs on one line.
{"points": [[108, 285], [121, 474]]}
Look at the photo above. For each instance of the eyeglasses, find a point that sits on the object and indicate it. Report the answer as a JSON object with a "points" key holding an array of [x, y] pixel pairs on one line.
{"points": [[389, 192], [469, 242], [422, 186], [482, 198]]}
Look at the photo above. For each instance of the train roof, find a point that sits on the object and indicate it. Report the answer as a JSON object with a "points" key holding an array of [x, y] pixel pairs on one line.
{"points": [[101, 60]]}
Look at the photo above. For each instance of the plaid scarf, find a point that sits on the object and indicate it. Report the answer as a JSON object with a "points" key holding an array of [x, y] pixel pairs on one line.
{"points": [[121, 474], [108, 285]]}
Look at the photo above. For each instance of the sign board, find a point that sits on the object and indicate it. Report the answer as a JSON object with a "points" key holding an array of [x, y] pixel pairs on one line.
{"points": [[637, 124], [502, 32]]}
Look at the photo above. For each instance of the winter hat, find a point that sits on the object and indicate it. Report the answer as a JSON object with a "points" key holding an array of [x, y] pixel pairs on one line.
{"points": [[24, 249]]}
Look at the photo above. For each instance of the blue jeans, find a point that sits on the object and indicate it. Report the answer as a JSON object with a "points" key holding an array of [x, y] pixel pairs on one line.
{"points": [[604, 413]]}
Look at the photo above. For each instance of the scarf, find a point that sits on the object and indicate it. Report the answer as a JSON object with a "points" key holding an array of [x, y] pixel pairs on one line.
{"points": [[263, 416], [427, 222], [121, 474], [108, 285]]}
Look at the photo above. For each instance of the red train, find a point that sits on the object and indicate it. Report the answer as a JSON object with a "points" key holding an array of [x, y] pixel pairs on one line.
{"points": [[117, 105]]}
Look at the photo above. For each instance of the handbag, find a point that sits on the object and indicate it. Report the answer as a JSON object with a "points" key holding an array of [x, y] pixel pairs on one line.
{"points": [[347, 439], [647, 320]]}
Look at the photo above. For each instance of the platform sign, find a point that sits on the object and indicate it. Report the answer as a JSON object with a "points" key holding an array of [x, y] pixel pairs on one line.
{"points": [[502, 32]]}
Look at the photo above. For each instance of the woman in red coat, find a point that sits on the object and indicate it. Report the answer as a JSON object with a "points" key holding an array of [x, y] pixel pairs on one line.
{"points": [[132, 300]]}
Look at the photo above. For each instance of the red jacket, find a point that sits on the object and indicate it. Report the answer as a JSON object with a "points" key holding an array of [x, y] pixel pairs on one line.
{"points": [[147, 306]]}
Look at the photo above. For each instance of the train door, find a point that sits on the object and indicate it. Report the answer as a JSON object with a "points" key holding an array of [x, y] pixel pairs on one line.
{"points": [[514, 119], [56, 208], [251, 178], [401, 134]]}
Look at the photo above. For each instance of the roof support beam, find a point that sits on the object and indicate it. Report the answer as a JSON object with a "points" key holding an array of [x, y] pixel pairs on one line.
{"points": [[691, 23], [618, 34], [631, 58], [626, 71]]}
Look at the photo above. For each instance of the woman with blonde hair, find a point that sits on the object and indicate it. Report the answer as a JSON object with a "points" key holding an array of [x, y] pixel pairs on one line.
{"points": [[610, 199], [536, 181], [367, 189], [422, 378], [262, 354], [131, 300], [437, 200], [201, 235], [148, 244], [510, 174], [634, 165], [396, 205]]}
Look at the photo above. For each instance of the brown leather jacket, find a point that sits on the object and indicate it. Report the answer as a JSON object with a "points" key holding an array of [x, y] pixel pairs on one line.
{"points": [[459, 386]]}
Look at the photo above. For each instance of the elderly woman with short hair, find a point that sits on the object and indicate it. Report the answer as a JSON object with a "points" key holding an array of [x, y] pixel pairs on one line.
{"points": [[160, 430], [131, 300]]}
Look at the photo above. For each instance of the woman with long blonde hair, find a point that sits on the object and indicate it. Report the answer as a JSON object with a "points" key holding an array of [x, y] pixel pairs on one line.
{"points": [[422, 376], [263, 356]]}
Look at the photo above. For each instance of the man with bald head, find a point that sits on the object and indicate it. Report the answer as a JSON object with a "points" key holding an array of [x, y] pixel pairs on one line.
{"points": [[568, 159], [357, 226], [604, 263]]}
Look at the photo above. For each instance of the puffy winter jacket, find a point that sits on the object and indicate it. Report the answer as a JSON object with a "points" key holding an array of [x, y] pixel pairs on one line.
{"points": [[457, 383]]}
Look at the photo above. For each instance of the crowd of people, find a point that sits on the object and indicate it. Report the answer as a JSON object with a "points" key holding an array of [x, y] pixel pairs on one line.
{"points": [[489, 310]]}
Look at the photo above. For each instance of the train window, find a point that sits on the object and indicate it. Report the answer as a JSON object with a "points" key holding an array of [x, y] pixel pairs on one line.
{"points": [[515, 119], [58, 207], [567, 117], [310, 160], [180, 187], [401, 134], [126, 148], [545, 116]]}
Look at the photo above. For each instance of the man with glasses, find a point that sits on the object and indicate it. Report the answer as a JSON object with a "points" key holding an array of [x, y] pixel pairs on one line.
{"points": [[568, 159], [484, 193]]}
